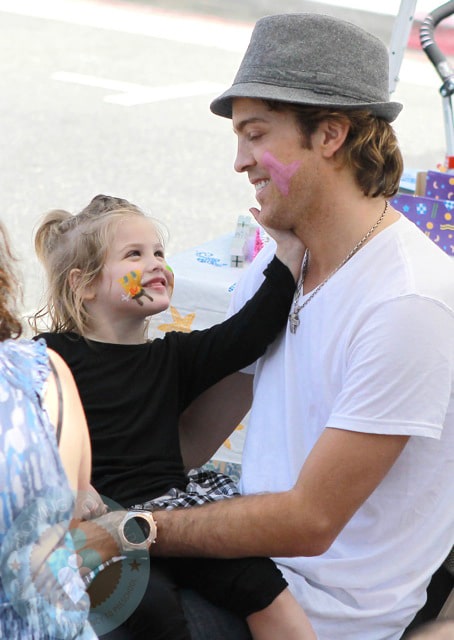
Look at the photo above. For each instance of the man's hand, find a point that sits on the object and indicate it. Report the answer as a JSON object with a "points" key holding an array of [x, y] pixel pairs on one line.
{"points": [[89, 505], [97, 540]]}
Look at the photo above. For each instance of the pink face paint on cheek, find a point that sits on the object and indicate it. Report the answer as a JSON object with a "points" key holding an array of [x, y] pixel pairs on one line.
{"points": [[280, 173]]}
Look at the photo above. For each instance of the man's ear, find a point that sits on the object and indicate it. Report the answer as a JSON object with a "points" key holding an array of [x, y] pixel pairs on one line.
{"points": [[88, 292], [332, 136]]}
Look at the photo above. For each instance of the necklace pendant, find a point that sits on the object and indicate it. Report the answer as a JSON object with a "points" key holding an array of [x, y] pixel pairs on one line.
{"points": [[294, 322], [293, 317]]}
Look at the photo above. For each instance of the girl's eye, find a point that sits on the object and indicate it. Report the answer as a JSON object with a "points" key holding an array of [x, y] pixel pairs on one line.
{"points": [[159, 254], [133, 253]]}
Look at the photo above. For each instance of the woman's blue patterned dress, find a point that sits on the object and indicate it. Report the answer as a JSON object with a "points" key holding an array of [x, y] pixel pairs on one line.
{"points": [[41, 594]]}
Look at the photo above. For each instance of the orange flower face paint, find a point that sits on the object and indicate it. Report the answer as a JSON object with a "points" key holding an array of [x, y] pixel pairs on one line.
{"points": [[131, 283], [280, 173]]}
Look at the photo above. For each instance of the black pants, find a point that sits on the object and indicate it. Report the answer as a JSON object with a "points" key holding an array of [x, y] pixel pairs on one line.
{"points": [[241, 585]]}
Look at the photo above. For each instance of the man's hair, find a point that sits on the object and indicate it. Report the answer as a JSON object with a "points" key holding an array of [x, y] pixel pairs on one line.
{"points": [[370, 150], [10, 291], [63, 242]]}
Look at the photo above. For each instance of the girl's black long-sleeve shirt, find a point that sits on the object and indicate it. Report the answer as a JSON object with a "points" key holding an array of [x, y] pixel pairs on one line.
{"points": [[133, 395]]}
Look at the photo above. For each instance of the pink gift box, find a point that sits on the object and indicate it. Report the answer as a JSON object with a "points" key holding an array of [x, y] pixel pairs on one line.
{"points": [[434, 217]]}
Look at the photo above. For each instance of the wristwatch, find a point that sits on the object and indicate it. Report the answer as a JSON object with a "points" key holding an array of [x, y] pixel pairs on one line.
{"points": [[137, 530]]}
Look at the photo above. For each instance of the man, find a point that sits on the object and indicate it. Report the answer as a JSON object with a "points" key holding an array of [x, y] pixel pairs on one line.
{"points": [[348, 462], [349, 457]]}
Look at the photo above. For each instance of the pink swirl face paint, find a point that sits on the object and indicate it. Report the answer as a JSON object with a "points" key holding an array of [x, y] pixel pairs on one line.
{"points": [[280, 173]]}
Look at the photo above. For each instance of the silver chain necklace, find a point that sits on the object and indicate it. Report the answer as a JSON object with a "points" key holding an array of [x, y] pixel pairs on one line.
{"points": [[294, 314]]}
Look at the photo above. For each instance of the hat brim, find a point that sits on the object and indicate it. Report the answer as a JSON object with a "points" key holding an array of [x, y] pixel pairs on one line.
{"points": [[222, 105]]}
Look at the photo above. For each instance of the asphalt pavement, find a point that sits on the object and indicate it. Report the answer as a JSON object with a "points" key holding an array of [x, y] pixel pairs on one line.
{"points": [[112, 96], [248, 11], [368, 17]]}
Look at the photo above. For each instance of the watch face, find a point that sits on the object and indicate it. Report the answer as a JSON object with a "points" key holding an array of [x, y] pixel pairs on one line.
{"points": [[136, 530]]}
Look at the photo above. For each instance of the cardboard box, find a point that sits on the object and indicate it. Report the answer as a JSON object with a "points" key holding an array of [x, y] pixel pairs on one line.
{"points": [[434, 217]]}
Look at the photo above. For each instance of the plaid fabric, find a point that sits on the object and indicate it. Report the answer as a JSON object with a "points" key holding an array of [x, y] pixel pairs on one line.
{"points": [[203, 486]]}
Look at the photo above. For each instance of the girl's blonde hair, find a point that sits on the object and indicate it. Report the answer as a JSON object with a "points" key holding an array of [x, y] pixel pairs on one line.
{"points": [[64, 242]]}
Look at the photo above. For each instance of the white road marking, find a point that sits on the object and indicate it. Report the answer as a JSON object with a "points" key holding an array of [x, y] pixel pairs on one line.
{"points": [[130, 94]]}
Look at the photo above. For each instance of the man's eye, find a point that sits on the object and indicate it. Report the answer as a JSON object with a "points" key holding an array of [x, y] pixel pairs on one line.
{"points": [[254, 136]]}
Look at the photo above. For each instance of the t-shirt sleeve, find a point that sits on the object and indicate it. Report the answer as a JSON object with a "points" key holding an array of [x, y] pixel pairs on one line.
{"points": [[251, 279], [399, 370]]}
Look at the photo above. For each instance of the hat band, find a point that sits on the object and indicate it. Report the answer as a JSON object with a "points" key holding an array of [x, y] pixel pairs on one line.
{"points": [[316, 81]]}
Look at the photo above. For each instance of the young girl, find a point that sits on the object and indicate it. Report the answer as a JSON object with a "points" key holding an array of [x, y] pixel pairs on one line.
{"points": [[107, 273]]}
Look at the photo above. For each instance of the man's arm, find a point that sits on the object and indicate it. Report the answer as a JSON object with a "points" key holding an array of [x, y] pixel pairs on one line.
{"points": [[340, 473], [212, 417]]}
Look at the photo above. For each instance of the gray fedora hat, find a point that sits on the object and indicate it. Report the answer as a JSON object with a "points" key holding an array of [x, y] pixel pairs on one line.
{"points": [[315, 60]]}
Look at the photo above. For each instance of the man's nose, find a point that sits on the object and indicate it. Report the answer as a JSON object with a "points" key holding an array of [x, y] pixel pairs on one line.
{"points": [[244, 158]]}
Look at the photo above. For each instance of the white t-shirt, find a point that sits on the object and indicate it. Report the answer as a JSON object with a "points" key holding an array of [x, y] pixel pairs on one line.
{"points": [[374, 353]]}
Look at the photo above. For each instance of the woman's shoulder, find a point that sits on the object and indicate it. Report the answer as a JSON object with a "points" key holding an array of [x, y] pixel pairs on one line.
{"points": [[21, 348]]}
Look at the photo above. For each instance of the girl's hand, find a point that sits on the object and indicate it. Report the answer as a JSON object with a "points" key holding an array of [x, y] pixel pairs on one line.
{"points": [[290, 249], [89, 505]]}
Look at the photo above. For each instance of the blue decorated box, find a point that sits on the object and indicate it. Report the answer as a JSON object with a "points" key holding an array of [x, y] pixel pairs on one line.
{"points": [[439, 185], [434, 217]]}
